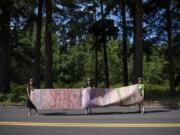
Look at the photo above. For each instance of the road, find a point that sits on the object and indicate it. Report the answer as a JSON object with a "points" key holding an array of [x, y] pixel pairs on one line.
{"points": [[103, 121]]}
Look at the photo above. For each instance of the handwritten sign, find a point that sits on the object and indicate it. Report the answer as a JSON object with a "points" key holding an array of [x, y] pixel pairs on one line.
{"points": [[57, 98], [84, 98]]}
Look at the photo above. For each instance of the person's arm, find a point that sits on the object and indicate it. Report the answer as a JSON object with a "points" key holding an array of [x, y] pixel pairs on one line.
{"points": [[28, 91], [142, 91]]}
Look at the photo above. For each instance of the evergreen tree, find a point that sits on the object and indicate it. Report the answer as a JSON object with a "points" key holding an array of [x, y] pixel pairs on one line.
{"points": [[48, 46], [5, 77], [38, 45]]}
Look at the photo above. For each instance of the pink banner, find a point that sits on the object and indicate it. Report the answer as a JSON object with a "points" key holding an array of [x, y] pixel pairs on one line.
{"points": [[104, 97], [57, 98], [84, 98]]}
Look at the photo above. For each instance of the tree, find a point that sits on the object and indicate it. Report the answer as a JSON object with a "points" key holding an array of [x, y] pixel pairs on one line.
{"points": [[48, 45], [38, 44], [103, 30], [166, 27], [170, 48], [104, 49], [125, 65], [96, 63], [5, 46], [96, 47], [138, 59]]}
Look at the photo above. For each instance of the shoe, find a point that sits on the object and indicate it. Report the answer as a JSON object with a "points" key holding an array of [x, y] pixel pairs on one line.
{"points": [[29, 114], [89, 111], [86, 111], [142, 111]]}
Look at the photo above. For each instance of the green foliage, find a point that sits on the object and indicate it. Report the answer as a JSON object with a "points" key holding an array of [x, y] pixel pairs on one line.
{"points": [[18, 89], [71, 85], [103, 28], [154, 66], [115, 64], [156, 91], [74, 48], [3, 97], [16, 95], [71, 64]]}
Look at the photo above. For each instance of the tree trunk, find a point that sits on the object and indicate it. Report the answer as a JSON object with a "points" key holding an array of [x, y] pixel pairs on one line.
{"points": [[138, 63], [170, 50], [96, 64], [96, 55], [134, 38], [31, 20], [38, 44], [125, 65], [48, 45], [106, 65], [5, 47], [105, 52]]}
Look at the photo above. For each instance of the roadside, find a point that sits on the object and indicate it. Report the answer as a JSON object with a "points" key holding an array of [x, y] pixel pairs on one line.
{"points": [[159, 102], [152, 98]]}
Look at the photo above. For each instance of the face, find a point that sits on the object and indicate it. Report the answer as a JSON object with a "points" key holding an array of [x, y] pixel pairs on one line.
{"points": [[139, 81], [31, 81], [88, 81]]}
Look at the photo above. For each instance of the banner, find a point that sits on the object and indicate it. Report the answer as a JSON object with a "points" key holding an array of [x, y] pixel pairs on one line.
{"points": [[105, 97], [57, 98], [84, 98]]}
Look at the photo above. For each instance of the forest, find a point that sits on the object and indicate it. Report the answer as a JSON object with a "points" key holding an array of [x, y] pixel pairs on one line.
{"points": [[61, 43]]}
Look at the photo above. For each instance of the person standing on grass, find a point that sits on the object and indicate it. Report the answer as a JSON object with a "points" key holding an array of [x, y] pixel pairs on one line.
{"points": [[29, 89], [141, 90]]}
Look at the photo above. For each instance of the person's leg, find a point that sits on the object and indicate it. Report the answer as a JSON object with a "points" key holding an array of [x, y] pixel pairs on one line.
{"points": [[89, 110], [139, 105], [142, 108], [86, 110], [35, 109], [29, 113]]}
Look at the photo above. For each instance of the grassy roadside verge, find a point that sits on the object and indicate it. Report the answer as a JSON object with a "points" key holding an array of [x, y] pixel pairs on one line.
{"points": [[12, 99]]}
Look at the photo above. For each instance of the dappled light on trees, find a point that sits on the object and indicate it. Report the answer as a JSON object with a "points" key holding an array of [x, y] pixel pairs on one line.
{"points": [[61, 43]]}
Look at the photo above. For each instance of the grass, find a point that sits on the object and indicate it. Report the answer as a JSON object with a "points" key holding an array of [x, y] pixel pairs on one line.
{"points": [[12, 99]]}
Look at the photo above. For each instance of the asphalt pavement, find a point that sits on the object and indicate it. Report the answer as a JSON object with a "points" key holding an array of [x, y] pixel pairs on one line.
{"points": [[103, 121]]}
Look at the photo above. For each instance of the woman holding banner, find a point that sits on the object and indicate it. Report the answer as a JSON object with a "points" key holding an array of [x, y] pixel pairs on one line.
{"points": [[88, 85], [141, 90], [29, 89]]}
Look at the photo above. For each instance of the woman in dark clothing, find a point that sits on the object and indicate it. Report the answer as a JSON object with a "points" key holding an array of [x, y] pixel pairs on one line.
{"points": [[30, 88]]}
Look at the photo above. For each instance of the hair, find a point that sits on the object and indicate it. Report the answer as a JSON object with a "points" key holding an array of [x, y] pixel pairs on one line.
{"points": [[140, 79], [28, 82]]}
